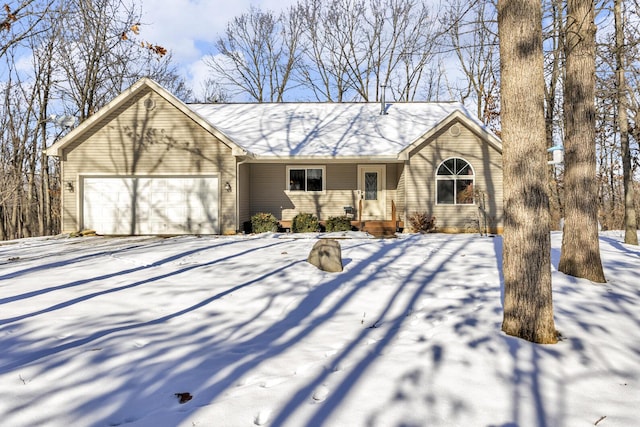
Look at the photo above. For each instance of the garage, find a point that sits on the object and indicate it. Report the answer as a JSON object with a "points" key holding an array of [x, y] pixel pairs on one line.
{"points": [[150, 205]]}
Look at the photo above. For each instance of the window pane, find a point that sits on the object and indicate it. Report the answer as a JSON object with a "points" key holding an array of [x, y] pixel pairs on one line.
{"points": [[296, 179], [447, 167], [464, 191], [463, 168], [371, 186], [314, 179], [445, 191]]}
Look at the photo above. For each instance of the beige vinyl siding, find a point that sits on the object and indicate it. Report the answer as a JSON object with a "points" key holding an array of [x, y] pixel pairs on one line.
{"points": [[134, 140], [401, 202], [269, 193], [392, 175], [342, 183], [420, 181], [244, 208], [267, 189]]}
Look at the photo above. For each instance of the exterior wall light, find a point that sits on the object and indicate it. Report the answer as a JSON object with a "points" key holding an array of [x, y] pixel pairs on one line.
{"points": [[227, 187]]}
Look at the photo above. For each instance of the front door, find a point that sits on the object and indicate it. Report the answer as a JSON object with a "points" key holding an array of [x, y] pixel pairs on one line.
{"points": [[371, 190]]}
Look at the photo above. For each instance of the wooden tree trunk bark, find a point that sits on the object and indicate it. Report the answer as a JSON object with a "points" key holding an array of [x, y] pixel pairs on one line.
{"points": [[528, 306], [557, 38], [630, 220], [580, 255]]}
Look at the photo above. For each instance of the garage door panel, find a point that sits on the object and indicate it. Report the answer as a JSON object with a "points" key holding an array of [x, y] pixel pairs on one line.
{"points": [[160, 205], [105, 205]]}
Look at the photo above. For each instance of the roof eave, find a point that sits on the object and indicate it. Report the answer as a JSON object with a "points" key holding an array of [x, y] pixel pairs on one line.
{"points": [[387, 158]]}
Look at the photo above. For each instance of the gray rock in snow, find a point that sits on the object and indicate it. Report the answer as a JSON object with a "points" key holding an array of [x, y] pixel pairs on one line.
{"points": [[326, 254]]}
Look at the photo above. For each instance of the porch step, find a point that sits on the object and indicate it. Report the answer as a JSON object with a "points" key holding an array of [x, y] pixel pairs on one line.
{"points": [[380, 228]]}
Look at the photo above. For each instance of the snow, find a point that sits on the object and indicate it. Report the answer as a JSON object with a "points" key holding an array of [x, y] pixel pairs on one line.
{"points": [[99, 331], [283, 130]]}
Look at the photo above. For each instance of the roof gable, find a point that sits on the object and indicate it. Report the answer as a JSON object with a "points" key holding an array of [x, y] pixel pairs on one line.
{"points": [[137, 88], [462, 116]]}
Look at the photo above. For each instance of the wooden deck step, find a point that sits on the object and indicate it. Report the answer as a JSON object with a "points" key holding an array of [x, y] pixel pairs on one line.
{"points": [[380, 228]]}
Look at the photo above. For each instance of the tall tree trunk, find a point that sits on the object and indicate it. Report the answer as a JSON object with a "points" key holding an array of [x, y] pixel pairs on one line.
{"points": [[528, 306], [555, 200], [3, 231], [630, 221], [580, 255]]}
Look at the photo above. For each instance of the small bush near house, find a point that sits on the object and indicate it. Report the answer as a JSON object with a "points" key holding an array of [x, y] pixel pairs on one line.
{"points": [[263, 222], [338, 223], [420, 222], [305, 223]]}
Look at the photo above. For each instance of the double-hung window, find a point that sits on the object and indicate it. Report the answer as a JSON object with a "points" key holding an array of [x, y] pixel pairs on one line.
{"points": [[305, 178], [454, 182]]}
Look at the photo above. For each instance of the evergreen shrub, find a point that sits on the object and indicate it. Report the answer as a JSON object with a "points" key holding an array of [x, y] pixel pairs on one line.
{"points": [[338, 223], [264, 222], [305, 223]]}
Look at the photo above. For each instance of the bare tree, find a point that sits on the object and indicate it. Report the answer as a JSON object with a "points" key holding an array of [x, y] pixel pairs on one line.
{"points": [[630, 222], [20, 21], [328, 25], [352, 48], [19, 149], [337, 50], [528, 307], [82, 56], [257, 55], [401, 43], [580, 255], [162, 70], [44, 51], [212, 91], [95, 54], [473, 34], [632, 54], [553, 35]]}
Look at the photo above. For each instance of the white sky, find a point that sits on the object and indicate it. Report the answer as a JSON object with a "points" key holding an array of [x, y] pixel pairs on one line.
{"points": [[188, 28]]}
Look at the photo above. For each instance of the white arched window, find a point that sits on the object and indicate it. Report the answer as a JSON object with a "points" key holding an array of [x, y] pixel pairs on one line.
{"points": [[454, 182]]}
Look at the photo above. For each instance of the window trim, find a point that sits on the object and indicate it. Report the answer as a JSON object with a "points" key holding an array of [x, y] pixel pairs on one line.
{"points": [[305, 168], [454, 179]]}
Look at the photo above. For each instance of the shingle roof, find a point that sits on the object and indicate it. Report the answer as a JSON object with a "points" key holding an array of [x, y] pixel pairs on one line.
{"points": [[335, 130], [306, 130]]}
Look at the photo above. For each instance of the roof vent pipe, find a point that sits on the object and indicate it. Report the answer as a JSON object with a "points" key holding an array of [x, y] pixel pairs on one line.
{"points": [[383, 103]]}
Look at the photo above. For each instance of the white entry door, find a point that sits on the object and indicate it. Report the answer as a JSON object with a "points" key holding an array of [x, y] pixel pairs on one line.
{"points": [[371, 188], [158, 205]]}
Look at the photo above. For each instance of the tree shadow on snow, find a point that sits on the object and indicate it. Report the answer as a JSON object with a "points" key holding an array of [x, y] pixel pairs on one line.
{"points": [[465, 307], [29, 356]]}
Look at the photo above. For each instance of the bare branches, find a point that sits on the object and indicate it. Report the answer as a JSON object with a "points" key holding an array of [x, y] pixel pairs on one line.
{"points": [[21, 22], [257, 55], [474, 40], [338, 50]]}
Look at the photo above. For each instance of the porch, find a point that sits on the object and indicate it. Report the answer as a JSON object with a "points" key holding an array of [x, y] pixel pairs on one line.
{"points": [[377, 228]]}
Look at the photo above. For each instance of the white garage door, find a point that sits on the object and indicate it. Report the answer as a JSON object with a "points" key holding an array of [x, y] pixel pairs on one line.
{"points": [[168, 205]]}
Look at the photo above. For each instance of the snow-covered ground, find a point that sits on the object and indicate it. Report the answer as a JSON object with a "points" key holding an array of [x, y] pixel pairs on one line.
{"points": [[106, 331]]}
